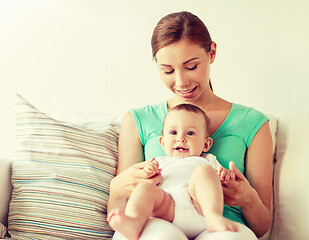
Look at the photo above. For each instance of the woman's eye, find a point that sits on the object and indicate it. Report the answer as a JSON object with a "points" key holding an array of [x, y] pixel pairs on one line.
{"points": [[169, 72], [173, 132], [195, 66], [190, 133]]}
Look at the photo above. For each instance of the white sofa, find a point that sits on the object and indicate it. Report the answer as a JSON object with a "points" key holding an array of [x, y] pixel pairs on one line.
{"points": [[291, 163]]}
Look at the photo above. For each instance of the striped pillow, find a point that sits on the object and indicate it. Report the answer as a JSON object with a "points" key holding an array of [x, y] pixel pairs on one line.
{"points": [[61, 174]]}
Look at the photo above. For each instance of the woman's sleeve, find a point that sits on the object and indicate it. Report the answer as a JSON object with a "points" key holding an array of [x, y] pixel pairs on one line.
{"points": [[253, 121]]}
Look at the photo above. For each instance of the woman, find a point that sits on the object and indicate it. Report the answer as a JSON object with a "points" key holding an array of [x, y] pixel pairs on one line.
{"points": [[183, 50]]}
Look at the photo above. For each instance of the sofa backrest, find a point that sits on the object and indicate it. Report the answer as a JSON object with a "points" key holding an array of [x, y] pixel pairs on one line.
{"points": [[5, 173]]}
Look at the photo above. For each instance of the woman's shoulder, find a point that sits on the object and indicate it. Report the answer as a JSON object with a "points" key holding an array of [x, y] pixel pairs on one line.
{"points": [[245, 112], [248, 119]]}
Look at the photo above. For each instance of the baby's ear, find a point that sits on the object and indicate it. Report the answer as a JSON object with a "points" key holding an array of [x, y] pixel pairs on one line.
{"points": [[161, 141], [208, 144]]}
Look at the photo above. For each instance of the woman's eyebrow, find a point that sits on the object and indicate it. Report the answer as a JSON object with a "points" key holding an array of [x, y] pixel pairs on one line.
{"points": [[167, 65], [191, 59]]}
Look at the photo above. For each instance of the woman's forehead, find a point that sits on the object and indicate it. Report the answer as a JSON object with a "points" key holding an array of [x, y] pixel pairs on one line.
{"points": [[180, 52]]}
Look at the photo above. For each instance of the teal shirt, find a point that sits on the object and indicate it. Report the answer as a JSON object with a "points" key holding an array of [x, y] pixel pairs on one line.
{"points": [[230, 141]]}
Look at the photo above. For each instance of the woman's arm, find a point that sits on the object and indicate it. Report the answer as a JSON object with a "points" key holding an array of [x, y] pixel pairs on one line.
{"points": [[259, 165], [130, 165], [253, 193], [130, 149]]}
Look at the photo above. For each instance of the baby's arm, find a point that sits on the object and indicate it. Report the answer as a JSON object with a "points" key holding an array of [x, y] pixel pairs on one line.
{"points": [[152, 168]]}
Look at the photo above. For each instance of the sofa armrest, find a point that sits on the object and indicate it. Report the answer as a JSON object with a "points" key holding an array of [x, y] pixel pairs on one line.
{"points": [[3, 231], [5, 189], [291, 195]]}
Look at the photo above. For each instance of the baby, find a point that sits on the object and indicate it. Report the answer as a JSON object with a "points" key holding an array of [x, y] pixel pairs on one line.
{"points": [[191, 188]]}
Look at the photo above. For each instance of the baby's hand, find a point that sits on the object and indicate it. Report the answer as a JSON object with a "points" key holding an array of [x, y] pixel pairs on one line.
{"points": [[225, 175], [152, 168]]}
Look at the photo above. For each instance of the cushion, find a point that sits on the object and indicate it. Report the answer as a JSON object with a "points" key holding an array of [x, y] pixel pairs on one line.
{"points": [[60, 175], [291, 196]]}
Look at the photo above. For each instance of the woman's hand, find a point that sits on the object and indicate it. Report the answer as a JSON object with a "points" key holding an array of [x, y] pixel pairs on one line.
{"points": [[237, 190], [125, 182]]}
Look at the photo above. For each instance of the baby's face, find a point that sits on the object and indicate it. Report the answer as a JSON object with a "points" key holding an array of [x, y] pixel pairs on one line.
{"points": [[184, 134]]}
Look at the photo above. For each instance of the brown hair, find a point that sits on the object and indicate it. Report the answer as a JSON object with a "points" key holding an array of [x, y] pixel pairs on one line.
{"points": [[191, 108], [177, 26]]}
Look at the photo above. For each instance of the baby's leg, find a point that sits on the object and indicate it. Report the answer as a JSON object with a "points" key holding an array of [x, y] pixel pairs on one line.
{"points": [[146, 200], [207, 195]]}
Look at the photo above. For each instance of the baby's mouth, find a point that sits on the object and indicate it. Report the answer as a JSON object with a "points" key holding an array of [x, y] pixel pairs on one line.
{"points": [[181, 149]]}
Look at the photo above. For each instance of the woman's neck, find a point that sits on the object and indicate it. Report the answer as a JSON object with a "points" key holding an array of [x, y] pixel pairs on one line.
{"points": [[216, 108], [210, 102]]}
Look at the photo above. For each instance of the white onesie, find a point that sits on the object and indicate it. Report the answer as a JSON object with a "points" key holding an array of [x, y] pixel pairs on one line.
{"points": [[176, 173]]}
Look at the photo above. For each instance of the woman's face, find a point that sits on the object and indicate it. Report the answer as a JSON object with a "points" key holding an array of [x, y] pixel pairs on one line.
{"points": [[184, 69]]}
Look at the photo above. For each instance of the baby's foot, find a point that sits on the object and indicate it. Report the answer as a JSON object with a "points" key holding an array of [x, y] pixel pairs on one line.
{"points": [[218, 223], [129, 227]]}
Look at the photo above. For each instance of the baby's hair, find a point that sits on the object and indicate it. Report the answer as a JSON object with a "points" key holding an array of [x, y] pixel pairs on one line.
{"points": [[191, 108]]}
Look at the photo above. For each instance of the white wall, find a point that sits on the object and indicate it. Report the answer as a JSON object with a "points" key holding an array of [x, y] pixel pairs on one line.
{"points": [[95, 55]]}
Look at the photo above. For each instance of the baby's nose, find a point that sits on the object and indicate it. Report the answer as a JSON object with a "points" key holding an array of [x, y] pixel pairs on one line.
{"points": [[181, 139]]}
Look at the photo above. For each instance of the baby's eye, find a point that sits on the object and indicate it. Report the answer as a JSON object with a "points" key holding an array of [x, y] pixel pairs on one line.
{"points": [[173, 132], [190, 133], [192, 68]]}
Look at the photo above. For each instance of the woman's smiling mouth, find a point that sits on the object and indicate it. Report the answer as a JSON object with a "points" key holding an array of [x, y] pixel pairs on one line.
{"points": [[187, 93]]}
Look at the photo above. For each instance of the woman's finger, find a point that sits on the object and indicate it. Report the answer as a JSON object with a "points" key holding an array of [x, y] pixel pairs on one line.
{"points": [[153, 180], [149, 168], [233, 176], [139, 165]]}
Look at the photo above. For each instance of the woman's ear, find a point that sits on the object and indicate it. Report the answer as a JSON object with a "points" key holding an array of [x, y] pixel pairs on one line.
{"points": [[208, 144], [212, 52]]}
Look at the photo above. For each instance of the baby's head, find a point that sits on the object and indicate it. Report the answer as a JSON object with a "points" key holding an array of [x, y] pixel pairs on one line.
{"points": [[185, 132]]}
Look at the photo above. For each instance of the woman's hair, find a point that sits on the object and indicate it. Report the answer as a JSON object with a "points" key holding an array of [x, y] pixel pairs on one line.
{"points": [[177, 26], [191, 108], [180, 25]]}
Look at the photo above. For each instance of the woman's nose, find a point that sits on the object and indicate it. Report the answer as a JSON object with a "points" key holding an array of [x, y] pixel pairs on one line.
{"points": [[181, 80]]}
